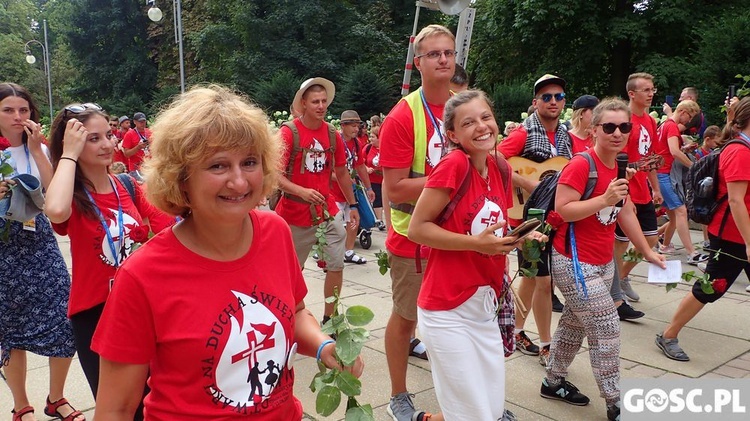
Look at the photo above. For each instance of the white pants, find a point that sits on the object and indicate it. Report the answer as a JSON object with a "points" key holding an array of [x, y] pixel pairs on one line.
{"points": [[466, 357]]}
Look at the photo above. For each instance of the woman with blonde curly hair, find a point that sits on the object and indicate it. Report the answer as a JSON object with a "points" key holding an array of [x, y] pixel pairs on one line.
{"points": [[211, 311]]}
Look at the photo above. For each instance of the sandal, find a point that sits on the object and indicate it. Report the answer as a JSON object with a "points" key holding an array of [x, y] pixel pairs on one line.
{"points": [[354, 258], [18, 415], [53, 410], [413, 344]]}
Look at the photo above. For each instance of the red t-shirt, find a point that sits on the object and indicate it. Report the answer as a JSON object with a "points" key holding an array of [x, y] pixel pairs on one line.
{"points": [[218, 336], [372, 160], [580, 145], [397, 151], [354, 158], [664, 132], [595, 234], [317, 172], [451, 277], [733, 166], [639, 145], [131, 139], [514, 144], [93, 263]]}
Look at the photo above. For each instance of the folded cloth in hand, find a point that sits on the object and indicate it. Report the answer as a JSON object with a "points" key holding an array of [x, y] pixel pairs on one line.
{"points": [[25, 200]]}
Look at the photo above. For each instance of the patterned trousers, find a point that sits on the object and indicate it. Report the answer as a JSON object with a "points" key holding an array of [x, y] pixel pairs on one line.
{"points": [[594, 317]]}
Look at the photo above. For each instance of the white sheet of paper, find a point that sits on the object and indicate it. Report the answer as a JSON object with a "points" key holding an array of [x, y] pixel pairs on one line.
{"points": [[671, 274]]}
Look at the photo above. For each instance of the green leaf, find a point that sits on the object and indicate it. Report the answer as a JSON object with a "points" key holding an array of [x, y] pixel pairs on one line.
{"points": [[383, 270], [671, 286], [529, 273], [361, 334], [316, 383], [707, 288], [329, 398], [348, 347], [359, 315], [738, 76], [360, 413], [331, 299], [348, 384]]}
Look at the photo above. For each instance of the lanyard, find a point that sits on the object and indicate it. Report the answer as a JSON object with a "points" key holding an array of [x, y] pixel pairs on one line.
{"points": [[434, 123], [110, 240], [28, 158], [577, 271]]}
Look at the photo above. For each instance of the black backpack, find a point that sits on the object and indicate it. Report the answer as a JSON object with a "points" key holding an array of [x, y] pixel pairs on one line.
{"points": [[702, 187], [543, 196]]}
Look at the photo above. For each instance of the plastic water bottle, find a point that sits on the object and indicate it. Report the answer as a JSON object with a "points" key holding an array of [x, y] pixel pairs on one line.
{"points": [[705, 187]]}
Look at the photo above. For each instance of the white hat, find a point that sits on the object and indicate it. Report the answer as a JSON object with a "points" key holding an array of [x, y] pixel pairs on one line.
{"points": [[327, 84]]}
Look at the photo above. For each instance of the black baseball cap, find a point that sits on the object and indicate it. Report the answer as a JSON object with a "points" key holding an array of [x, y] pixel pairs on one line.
{"points": [[585, 101]]}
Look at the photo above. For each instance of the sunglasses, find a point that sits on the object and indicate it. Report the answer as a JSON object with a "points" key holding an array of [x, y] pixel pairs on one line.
{"points": [[79, 108], [609, 128], [548, 97], [435, 54], [112, 124]]}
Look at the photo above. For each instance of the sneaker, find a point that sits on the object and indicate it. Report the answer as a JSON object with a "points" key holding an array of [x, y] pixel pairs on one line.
{"points": [[626, 312], [671, 348], [667, 249], [524, 344], [380, 225], [706, 244], [628, 290], [508, 416], [557, 306], [696, 258], [565, 392], [401, 408], [613, 412], [702, 266], [544, 356]]}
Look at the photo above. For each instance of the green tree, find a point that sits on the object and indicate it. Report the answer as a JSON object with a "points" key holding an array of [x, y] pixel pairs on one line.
{"points": [[363, 90]]}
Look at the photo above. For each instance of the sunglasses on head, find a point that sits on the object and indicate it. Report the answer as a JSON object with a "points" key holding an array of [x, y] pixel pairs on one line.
{"points": [[548, 97], [609, 128], [79, 108]]}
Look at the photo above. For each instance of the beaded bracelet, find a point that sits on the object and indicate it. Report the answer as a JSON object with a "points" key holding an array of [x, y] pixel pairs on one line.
{"points": [[320, 348]]}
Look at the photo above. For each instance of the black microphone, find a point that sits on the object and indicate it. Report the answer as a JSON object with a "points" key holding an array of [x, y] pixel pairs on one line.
{"points": [[622, 166]]}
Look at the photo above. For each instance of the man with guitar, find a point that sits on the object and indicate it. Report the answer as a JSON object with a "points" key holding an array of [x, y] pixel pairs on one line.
{"points": [[539, 138]]}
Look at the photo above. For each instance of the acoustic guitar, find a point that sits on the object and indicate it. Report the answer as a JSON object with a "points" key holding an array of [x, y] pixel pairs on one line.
{"points": [[538, 171]]}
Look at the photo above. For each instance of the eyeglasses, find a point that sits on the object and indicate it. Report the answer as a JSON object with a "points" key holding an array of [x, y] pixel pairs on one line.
{"points": [[609, 128], [647, 91], [79, 108], [112, 124], [435, 54], [548, 97]]}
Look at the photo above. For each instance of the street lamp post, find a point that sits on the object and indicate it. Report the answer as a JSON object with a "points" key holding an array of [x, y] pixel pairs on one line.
{"points": [[45, 58], [155, 14]]}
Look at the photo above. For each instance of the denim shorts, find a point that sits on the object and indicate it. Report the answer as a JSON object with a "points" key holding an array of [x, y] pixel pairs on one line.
{"points": [[671, 199]]}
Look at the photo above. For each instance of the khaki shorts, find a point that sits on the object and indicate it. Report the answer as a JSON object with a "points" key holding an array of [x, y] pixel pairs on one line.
{"points": [[405, 284], [304, 239]]}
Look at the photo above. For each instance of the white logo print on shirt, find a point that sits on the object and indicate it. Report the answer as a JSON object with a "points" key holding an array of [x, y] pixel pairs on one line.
{"points": [[435, 146], [490, 214], [315, 159], [644, 141]]}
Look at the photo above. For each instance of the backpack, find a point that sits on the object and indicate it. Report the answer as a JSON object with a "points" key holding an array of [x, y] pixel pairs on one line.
{"points": [[127, 182], [702, 187], [447, 211], [275, 196]]}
